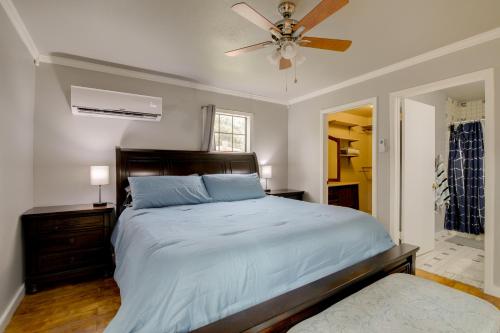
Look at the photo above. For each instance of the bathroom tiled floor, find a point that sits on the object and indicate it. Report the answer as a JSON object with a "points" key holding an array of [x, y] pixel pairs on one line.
{"points": [[456, 262]]}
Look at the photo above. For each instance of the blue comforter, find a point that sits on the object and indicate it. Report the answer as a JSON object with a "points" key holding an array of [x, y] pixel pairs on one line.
{"points": [[182, 267]]}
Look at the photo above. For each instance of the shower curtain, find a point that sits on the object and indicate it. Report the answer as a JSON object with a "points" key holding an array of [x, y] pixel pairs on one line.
{"points": [[465, 212]]}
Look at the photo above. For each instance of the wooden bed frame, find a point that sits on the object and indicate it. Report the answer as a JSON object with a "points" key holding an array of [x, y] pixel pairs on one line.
{"points": [[282, 312], [145, 162]]}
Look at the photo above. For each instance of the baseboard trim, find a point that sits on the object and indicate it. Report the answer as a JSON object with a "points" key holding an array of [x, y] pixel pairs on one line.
{"points": [[11, 308]]}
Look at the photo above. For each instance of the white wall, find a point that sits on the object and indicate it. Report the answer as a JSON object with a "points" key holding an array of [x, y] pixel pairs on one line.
{"points": [[17, 91], [303, 118], [66, 145]]}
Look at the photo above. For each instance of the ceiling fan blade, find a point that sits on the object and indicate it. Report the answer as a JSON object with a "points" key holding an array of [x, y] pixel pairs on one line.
{"points": [[323, 10], [339, 45], [253, 16], [285, 63], [250, 48]]}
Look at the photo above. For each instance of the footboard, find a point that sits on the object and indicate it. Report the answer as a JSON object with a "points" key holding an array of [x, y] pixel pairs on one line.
{"points": [[282, 312]]}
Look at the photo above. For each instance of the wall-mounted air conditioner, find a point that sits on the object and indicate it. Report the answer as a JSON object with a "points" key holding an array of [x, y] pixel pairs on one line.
{"points": [[112, 104]]}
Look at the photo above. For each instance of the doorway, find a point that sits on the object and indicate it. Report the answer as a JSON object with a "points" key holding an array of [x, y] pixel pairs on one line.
{"points": [[348, 167], [427, 122]]}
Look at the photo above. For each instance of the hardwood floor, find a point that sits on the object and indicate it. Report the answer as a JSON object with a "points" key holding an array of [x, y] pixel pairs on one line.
{"points": [[89, 306], [460, 286], [84, 307]]}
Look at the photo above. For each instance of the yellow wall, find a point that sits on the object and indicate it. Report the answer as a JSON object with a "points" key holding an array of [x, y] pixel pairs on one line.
{"points": [[351, 168]]}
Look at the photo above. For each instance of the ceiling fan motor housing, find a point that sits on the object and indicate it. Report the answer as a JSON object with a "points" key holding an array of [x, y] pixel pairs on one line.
{"points": [[286, 9], [286, 26]]}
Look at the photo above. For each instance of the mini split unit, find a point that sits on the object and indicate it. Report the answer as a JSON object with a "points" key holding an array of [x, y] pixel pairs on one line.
{"points": [[112, 104]]}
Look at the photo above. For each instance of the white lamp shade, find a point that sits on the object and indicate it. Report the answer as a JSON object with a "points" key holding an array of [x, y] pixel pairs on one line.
{"points": [[99, 175], [299, 59], [267, 171], [288, 50], [274, 57]]}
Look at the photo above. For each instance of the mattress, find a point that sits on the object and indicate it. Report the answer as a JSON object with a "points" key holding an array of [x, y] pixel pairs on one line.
{"points": [[182, 267], [405, 303]]}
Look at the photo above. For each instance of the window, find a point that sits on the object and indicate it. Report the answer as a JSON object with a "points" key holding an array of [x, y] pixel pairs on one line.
{"points": [[232, 131]]}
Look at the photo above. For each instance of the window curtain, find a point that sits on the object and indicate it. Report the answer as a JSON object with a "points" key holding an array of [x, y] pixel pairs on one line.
{"points": [[208, 127], [466, 179]]}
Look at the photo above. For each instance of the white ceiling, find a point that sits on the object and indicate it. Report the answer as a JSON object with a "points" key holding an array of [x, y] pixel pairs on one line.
{"points": [[467, 92], [188, 38]]}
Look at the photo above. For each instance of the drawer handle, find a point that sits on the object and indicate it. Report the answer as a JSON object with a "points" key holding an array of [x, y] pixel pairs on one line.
{"points": [[72, 240], [56, 227]]}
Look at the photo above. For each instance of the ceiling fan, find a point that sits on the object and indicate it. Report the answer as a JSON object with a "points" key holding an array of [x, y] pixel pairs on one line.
{"points": [[287, 35]]}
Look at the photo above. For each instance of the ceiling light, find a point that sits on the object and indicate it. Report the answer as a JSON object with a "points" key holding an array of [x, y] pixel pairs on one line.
{"points": [[288, 50], [299, 59], [274, 57]]}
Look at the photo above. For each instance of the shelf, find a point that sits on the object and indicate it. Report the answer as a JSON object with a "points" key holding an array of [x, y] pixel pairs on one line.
{"points": [[342, 123], [347, 139], [367, 128], [348, 155]]}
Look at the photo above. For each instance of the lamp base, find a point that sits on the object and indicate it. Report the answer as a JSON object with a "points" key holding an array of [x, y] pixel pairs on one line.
{"points": [[100, 204]]}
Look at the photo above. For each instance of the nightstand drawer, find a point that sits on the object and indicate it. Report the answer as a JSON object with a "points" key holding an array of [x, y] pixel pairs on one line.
{"points": [[69, 224], [66, 242], [65, 261]]}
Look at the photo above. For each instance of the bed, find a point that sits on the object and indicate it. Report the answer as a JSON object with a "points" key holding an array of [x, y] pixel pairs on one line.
{"points": [[259, 265]]}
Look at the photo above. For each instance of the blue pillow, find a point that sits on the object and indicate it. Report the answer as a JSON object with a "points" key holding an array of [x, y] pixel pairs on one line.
{"points": [[163, 191], [233, 187]]}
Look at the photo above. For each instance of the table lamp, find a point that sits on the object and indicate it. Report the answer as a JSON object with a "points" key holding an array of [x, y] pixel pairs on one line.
{"points": [[267, 173], [99, 175]]}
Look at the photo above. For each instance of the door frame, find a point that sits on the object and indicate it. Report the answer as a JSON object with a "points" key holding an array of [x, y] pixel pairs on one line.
{"points": [[323, 172], [395, 99]]}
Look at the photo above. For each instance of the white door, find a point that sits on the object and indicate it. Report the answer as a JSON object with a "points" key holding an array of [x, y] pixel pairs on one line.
{"points": [[417, 174]]}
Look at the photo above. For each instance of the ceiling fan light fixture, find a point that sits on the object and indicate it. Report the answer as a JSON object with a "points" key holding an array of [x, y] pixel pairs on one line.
{"points": [[299, 59], [274, 57], [289, 50]]}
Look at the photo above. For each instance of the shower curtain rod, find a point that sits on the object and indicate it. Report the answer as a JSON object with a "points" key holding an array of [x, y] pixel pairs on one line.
{"points": [[465, 121]]}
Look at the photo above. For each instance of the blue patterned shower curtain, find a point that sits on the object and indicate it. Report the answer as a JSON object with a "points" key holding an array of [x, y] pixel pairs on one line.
{"points": [[466, 179]]}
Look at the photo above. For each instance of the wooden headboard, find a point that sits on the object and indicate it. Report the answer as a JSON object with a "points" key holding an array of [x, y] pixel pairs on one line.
{"points": [[147, 162]]}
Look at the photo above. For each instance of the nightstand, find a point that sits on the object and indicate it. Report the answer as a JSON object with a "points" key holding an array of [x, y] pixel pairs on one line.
{"points": [[64, 243], [287, 193]]}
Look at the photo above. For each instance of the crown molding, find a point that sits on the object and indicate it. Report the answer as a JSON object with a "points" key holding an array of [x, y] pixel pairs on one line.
{"points": [[152, 77], [25, 36], [23, 32], [20, 27], [439, 52]]}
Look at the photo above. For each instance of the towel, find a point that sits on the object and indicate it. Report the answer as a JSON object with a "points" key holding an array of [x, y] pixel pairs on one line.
{"points": [[350, 151], [441, 188]]}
